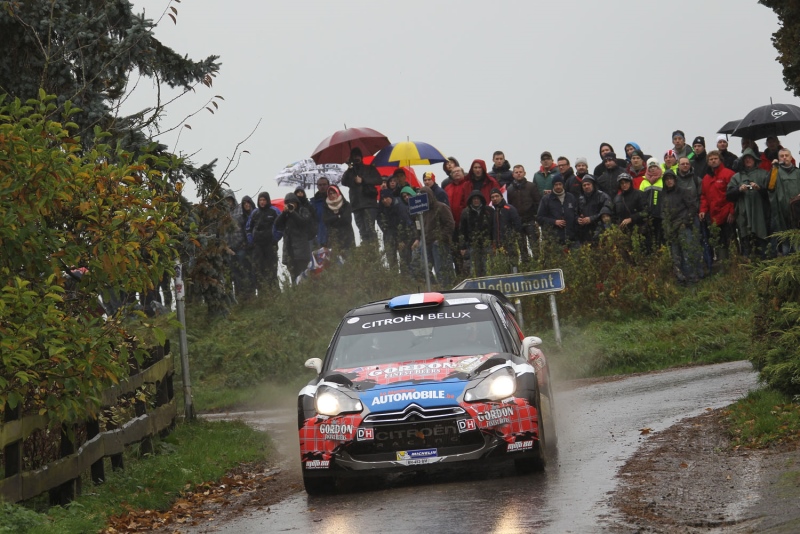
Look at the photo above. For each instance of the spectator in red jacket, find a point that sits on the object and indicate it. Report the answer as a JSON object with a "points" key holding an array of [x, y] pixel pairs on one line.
{"points": [[714, 205], [481, 180]]}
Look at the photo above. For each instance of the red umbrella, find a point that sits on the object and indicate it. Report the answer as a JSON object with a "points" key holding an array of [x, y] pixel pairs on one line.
{"points": [[411, 176], [336, 148]]}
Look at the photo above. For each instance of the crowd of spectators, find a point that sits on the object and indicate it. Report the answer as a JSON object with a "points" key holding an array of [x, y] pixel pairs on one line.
{"points": [[696, 202]]}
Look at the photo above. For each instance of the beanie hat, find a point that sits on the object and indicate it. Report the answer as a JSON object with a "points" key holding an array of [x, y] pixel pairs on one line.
{"points": [[670, 153], [637, 152], [669, 173], [429, 175], [291, 197], [590, 178], [558, 178], [722, 137], [653, 162], [495, 190], [624, 176], [699, 140], [386, 193], [609, 155], [580, 160], [408, 189], [678, 132]]}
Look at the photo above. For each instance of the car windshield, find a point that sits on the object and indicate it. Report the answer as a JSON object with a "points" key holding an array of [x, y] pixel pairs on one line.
{"points": [[390, 338]]}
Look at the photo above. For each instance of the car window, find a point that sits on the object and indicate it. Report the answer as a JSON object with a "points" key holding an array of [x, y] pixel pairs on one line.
{"points": [[394, 337]]}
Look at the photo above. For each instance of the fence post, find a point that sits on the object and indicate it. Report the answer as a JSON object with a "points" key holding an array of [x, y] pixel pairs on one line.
{"points": [[65, 493], [117, 460], [98, 469], [12, 453]]}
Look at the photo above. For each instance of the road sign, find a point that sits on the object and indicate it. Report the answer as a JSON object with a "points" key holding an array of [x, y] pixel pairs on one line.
{"points": [[519, 284], [418, 204]]}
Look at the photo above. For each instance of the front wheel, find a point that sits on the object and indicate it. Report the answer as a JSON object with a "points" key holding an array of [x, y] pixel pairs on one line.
{"points": [[537, 463]]}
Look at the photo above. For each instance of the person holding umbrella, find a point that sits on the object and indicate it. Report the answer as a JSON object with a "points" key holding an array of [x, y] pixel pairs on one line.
{"points": [[363, 182]]}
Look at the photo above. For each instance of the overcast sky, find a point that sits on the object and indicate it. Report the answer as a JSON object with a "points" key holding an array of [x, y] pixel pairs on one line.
{"points": [[468, 76]]}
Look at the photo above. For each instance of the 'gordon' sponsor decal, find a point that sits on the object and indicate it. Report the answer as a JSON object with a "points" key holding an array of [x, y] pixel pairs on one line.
{"points": [[318, 464], [336, 431], [520, 446], [497, 416], [413, 369]]}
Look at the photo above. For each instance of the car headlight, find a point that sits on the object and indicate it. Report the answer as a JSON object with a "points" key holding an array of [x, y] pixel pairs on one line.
{"points": [[331, 401], [499, 385]]}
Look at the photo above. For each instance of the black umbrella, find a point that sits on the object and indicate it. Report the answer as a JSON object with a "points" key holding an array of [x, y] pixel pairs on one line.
{"points": [[729, 127], [773, 119]]}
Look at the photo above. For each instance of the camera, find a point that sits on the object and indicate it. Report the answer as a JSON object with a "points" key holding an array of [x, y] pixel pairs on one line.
{"points": [[289, 207], [749, 186]]}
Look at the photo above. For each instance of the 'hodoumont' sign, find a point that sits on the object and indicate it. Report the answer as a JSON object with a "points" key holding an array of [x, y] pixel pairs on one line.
{"points": [[519, 284]]}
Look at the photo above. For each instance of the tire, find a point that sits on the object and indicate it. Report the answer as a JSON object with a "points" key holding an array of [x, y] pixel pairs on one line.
{"points": [[549, 426], [319, 485], [537, 463]]}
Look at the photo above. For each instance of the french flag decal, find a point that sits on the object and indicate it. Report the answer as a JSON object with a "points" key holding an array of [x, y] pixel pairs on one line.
{"points": [[416, 299]]}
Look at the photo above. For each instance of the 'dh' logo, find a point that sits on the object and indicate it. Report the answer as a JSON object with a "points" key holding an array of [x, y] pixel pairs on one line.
{"points": [[777, 114], [365, 434], [465, 425]]}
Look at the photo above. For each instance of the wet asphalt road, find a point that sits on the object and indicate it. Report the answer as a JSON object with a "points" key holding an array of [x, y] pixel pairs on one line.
{"points": [[598, 428]]}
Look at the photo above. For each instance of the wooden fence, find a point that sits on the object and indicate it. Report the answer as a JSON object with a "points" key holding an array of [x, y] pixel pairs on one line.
{"points": [[62, 476]]}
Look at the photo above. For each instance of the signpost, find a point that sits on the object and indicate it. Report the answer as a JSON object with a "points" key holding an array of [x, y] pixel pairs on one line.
{"points": [[418, 205], [521, 284], [180, 298]]}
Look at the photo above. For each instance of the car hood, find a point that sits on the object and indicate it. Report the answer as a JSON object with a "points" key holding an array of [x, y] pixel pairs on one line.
{"points": [[414, 371]]}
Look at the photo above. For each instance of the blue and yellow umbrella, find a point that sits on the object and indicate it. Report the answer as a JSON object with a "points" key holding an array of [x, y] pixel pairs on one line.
{"points": [[408, 153]]}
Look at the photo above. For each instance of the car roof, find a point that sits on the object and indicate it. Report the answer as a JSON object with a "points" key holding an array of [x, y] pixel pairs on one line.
{"points": [[379, 306]]}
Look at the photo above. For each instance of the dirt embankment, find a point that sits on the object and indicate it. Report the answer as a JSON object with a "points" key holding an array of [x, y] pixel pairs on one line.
{"points": [[688, 479]]}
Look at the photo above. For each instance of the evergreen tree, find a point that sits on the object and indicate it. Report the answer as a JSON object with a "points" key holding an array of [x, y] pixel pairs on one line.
{"points": [[84, 51], [787, 40]]}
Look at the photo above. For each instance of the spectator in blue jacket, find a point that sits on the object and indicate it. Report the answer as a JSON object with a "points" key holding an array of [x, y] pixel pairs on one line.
{"points": [[318, 202]]}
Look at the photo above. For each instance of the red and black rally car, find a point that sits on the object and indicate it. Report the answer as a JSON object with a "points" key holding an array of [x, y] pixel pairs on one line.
{"points": [[423, 381]]}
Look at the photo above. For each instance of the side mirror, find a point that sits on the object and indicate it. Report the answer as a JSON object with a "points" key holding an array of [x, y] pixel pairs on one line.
{"points": [[531, 341], [529, 350], [314, 363]]}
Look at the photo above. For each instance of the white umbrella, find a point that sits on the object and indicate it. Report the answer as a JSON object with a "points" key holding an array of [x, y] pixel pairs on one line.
{"points": [[306, 173]]}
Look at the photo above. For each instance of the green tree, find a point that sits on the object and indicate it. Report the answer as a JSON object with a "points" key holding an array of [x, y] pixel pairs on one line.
{"points": [[787, 40], [84, 51], [777, 325], [65, 206]]}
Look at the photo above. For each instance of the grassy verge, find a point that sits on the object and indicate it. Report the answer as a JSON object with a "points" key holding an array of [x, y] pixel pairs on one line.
{"points": [[191, 454], [764, 418], [703, 327]]}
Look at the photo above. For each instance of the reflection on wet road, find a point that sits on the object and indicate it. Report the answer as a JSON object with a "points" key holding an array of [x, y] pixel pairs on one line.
{"points": [[598, 430]]}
